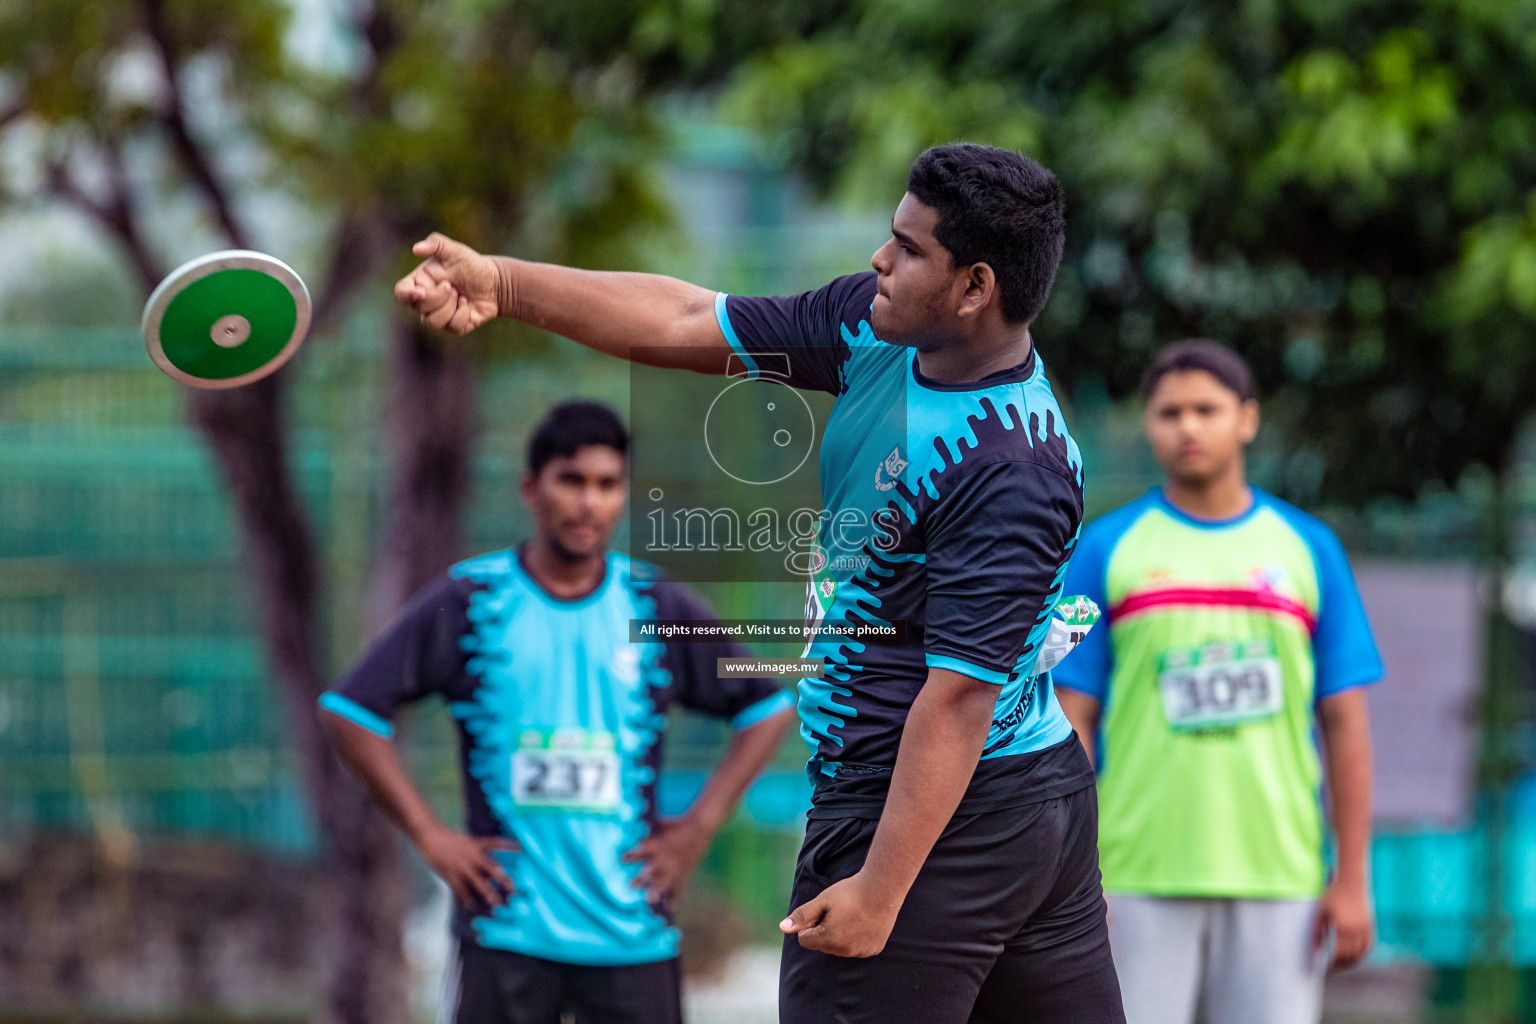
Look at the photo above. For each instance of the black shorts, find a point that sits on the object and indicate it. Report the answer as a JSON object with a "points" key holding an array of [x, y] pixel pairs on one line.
{"points": [[493, 986], [1004, 923]]}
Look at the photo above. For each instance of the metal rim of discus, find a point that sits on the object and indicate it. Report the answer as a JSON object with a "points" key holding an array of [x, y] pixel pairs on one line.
{"points": [[231, 329]]}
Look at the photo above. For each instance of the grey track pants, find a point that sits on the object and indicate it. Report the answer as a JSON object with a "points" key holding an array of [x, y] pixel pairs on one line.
{"points": [[1235, 961]]}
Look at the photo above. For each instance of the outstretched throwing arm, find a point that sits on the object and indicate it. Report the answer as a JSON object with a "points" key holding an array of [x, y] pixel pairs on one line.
{"points": [[648, 318]]}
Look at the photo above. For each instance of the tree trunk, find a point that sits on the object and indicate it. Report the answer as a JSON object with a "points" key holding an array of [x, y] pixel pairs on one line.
{"points": [[368, 981], [243, 426], [430, 427]]}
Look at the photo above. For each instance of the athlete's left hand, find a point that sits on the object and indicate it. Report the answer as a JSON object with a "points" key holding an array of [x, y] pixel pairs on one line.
{"points": [[849, 918], [669, 853], [1346, 909]]}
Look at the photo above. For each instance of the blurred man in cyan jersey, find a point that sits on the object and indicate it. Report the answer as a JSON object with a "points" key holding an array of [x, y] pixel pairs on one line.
{"points": [[564, 872]]}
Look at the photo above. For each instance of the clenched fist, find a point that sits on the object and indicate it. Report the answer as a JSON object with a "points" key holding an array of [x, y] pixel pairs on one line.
{"points": [[849, 918], [456, 289]]}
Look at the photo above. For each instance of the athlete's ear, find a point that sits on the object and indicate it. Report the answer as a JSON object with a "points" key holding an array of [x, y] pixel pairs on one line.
{"points": [[1248, 422], [980, 287]]}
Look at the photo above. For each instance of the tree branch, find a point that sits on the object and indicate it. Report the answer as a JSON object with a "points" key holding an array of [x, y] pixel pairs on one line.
{"points": [[360, 246], [373, 23], [365, 239], [174, 120], [117, 215]]}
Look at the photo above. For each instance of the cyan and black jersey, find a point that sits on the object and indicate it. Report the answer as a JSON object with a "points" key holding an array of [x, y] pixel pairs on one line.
{"points": [[975, 494], [549, 693]]}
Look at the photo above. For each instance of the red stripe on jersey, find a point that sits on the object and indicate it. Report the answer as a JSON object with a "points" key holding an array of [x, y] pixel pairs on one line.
{"points": [[1214, 597]]}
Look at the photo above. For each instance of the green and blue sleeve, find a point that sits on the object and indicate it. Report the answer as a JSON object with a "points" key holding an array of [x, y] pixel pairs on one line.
{"points": [[1088, 668], [1343, 647]]}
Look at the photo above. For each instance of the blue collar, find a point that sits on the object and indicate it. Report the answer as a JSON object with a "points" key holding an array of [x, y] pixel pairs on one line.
{"points": [[1255, 500]]}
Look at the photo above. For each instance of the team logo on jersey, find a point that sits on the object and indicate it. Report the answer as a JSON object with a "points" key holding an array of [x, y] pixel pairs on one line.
{"points": [[1270, 577], [889, 471], [625, 664], [821, 588]]}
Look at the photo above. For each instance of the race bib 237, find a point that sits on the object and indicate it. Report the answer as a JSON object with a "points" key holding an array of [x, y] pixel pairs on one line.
{"points": [[566, 770]]}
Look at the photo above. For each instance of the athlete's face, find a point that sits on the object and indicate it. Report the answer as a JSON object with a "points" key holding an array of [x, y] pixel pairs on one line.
{"points": [[1198, 426], [916, 287], [576, 500]]}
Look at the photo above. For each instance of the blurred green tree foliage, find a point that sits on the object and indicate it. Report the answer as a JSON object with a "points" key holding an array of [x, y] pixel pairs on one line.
{"points": [[513, 125], [1344, 189]]}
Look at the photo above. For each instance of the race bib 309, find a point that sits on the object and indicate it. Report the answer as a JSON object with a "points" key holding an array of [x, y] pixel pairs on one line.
{"points": [[1220, 684]]}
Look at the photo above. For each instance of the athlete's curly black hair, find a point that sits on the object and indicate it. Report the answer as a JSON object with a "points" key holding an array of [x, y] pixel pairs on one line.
{"points": [[573, 425], [999, 208]]}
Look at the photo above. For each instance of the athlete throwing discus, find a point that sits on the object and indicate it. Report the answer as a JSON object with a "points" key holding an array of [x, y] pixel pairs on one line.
{"points": [[950, 867]]}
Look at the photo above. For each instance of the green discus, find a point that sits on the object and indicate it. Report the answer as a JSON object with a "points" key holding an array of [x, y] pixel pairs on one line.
{"points": [[226, 319]]}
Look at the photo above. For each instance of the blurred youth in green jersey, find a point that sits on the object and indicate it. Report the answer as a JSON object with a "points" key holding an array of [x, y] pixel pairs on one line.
{"points": [[1234, 643]]}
